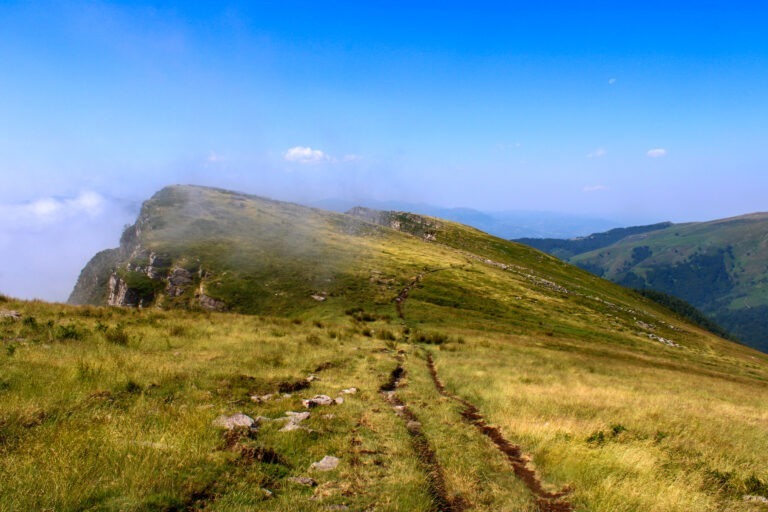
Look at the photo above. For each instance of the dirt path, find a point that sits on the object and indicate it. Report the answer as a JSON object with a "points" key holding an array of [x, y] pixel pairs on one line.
{"points": [[547, 501], [424, 451], [403, 295]]}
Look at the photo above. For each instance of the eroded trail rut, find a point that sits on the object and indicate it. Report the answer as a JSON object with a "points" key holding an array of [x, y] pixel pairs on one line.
{"points": [[547, 501], [421, 445]]}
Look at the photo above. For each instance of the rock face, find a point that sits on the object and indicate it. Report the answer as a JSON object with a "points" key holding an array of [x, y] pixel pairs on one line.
{"points": [[133, 275], [417, 225]]}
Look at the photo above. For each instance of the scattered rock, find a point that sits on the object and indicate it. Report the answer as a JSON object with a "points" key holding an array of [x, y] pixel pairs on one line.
{"points": [[263, 398], [302, 480], [293, 421], [267, 493], [413, 426], [319, 298], [755, 499], [317, 400], [349, 391], [236, 420], [665, 341], [643, 325], [339, 400], [327, 463], [8, 313], [312, 378]]}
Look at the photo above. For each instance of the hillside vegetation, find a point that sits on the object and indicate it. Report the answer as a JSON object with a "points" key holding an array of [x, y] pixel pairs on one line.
{"points": [[719, 267], [486, 376]]}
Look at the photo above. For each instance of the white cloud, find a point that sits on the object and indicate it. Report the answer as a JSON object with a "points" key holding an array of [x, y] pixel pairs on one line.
{"points": [[611, 81], [306, 155], [595, 188], [50, 209], [657, 153], [351, 158], [598, 153]]}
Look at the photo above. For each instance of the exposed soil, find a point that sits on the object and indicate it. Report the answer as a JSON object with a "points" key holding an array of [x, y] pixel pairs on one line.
{"points": [[403, 295], [547, 501], [290, 387], [424, 452], [250, 454]]}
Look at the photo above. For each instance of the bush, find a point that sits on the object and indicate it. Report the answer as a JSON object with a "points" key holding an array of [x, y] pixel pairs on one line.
{"points": [[117, 335], [69, 332], [432, 338]]}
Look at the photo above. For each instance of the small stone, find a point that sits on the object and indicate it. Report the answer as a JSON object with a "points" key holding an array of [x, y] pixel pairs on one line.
{"points": [[302, 480], [294, 420], [263, 398], [349, 391], [317, 400], [312, 378], [267, 493], [236, 420], [8, 313], [755, 499], [290, 426], [339, 400], [413, 426], [319, 298], [327, 463]]}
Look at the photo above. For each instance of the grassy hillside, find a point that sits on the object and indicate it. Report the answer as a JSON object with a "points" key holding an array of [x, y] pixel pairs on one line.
{"points": [[567, 248], [719, 267], [489, 376]]}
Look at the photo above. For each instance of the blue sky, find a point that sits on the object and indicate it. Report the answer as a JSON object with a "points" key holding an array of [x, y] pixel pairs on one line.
{"points": [[645, 113]]}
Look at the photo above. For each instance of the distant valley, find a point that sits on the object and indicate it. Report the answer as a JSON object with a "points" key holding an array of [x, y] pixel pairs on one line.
{"points": [[721, 267]]}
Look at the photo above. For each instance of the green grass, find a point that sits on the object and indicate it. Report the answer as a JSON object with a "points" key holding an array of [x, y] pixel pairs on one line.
{"points": [[113, 408]]}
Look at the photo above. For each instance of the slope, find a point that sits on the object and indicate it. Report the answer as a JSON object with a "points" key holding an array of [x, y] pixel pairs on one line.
{"points": [[719, 267], [489, 376]]}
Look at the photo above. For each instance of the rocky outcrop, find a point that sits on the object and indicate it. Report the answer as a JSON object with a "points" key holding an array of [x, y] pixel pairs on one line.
{"points": [[421, 226], [134, 275], [178, 281], [92, 286]]}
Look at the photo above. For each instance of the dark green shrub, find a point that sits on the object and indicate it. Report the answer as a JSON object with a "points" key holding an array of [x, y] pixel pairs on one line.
{"points": [[117, 335], [69, 332]]}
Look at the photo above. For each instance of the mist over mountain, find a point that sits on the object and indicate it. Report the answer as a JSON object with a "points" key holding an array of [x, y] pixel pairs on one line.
{"points": [[504, 224]]}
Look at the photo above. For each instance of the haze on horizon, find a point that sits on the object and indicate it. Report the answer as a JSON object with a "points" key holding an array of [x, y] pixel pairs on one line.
{"points": [[633, 114]]}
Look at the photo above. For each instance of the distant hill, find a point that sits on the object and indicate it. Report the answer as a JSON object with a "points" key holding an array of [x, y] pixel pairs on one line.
{"points": [[721, 267], [504, 224]]}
